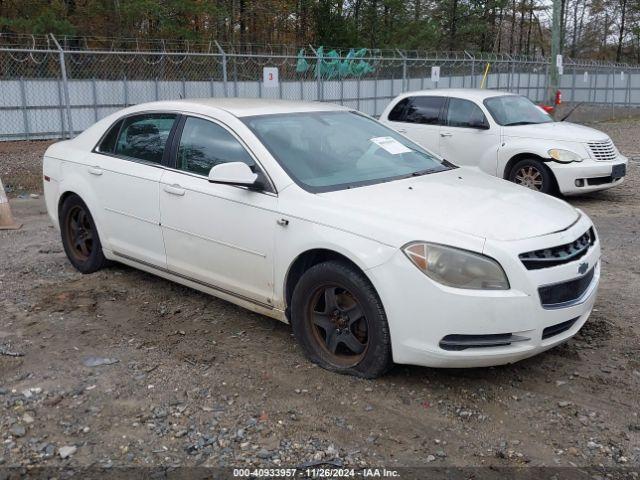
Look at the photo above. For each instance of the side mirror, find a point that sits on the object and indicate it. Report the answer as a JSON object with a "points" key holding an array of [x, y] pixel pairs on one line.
{"points": [[233, 173]]}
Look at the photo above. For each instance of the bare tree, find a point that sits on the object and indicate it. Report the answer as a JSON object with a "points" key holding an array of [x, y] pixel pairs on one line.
{"points": [[622, 4]]}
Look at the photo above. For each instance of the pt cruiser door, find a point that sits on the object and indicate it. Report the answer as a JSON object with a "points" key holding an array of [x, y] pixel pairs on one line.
{"points": [[219, 235], [467, 136]]}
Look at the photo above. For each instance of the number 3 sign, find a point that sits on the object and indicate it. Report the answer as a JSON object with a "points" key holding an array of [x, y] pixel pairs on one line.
{"points": [[270, 77]]}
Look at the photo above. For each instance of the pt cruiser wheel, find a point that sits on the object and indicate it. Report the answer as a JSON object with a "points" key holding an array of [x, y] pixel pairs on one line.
{"points": [[532, 174], [80, 236], [339, 321]]}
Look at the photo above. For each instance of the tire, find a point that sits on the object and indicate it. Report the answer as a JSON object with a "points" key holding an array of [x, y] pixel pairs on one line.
{"points": [[80, 236], [339, 321], [529, 171]]}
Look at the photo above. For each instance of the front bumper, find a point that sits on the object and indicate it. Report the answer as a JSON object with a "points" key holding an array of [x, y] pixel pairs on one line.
{"points": [[587, 176], [421, 312]]}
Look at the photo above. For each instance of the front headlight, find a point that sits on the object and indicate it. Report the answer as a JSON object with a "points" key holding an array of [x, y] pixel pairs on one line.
{"points": [[457, 268], [564, 156]]}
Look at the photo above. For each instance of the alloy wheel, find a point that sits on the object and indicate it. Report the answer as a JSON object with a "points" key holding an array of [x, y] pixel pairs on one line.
{"points": [[80, 233], [530, 177], [339, 325]]}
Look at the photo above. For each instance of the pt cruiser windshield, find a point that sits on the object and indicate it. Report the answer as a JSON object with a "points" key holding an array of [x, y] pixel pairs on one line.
{"points": [[509, 110], [326, 151]]}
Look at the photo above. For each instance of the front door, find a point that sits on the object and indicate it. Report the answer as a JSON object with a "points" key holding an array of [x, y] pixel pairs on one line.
{"points": [[219, 235], [467, 138]]}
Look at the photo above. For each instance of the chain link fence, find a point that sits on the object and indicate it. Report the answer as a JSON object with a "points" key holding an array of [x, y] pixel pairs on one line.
{"points": [[55, 88]]}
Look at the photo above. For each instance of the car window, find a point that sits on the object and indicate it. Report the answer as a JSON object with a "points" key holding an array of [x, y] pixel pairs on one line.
{"points": [[204, 144], [108, 143], [424, 110], [397, 113], [464, 113], [144, 136]]}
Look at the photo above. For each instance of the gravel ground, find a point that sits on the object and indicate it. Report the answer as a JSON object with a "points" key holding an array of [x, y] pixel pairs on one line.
{"points": [[185, 379]]}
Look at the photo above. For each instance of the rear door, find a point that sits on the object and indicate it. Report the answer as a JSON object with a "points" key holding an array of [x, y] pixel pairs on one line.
{"points": [[467, 138], [419, 118], [124, 170]]}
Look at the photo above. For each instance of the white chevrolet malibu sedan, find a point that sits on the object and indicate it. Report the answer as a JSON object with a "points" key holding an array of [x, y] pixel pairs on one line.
{"points": [[508, 136], [375, 250]]}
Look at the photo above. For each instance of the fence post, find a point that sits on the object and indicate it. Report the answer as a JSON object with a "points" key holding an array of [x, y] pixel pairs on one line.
{"points": [[473, 69], [404, 71], [94, 94], [224, 68], [125, 86], [25, 114], [319, 76], [65, 84], [512, 73], [613, 92], [573, 85]]}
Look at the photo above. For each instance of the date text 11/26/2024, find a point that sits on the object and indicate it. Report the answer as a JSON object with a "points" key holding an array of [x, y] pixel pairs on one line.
{"points": [[315, 472]]}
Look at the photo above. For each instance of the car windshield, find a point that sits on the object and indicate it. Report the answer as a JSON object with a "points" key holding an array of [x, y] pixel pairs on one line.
{"points": [[325, 151], [509, 110]]}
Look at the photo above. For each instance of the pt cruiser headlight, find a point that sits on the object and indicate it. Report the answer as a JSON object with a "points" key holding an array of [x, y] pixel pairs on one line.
{"points": [[564, 156], [457, 268]]}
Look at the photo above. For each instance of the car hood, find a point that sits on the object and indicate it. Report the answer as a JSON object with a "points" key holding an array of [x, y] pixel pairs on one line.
{"points": [[563, 131], [460, 200]]}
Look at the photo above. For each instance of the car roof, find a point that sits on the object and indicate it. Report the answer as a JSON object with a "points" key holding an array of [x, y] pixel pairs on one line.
{"points": [[244, 107], [478, 94]]}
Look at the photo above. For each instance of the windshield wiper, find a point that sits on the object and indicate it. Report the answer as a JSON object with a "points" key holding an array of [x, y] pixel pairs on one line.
{"points": [[519, 123], [424, 172]]}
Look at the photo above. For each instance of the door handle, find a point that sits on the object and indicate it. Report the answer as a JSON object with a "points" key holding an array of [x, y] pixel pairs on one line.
{"points": [[95, 171], [446, 134], [174, 190], [401, 130]]}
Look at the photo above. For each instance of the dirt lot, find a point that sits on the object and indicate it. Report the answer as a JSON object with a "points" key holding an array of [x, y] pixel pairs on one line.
{"points": [[198, 381]]}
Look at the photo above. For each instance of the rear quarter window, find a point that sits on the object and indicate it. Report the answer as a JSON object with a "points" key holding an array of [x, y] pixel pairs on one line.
{"points": [[397, 113], [108, 142]]}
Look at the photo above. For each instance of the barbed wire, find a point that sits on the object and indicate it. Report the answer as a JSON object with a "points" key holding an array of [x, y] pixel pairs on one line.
{"points": [[31, 44]]}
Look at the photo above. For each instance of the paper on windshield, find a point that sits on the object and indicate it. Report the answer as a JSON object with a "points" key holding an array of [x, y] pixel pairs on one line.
{"points": [[391, 145]]}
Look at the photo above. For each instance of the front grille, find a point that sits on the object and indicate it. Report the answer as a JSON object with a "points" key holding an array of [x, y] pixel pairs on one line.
{"points": [[457, 343], [603, 150], [558, 328], [550, 257], [566, 293]]}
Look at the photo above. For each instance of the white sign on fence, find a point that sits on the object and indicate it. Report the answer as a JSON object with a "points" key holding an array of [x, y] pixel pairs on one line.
{"points": [[586, 77], [435, 74], [559, 61], [270, 77]]}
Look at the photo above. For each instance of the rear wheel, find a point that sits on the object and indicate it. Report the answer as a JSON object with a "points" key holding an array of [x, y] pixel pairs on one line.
{"points": [[80, 236], [533, 174], [339, 321]]}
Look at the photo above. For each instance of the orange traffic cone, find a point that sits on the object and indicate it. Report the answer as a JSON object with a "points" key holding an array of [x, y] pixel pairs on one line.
{"points": [[6, 219]]}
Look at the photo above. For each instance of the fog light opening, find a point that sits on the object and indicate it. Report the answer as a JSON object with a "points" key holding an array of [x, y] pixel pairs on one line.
{"points": [[580, 182]]}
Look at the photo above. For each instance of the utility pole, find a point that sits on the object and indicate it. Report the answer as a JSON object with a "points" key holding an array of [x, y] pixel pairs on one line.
{"points": [[556, 26]]}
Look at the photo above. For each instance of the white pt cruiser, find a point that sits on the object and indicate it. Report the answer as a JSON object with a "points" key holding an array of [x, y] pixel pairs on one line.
{"points": [[508, 136], [375, 250]]}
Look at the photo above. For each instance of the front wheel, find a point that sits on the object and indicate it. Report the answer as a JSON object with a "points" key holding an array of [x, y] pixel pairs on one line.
{"points": [[533, 174], [339, 321]]}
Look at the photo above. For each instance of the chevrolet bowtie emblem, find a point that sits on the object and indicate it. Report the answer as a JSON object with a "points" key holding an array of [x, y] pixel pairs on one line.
{"points": [[582, 268]]}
